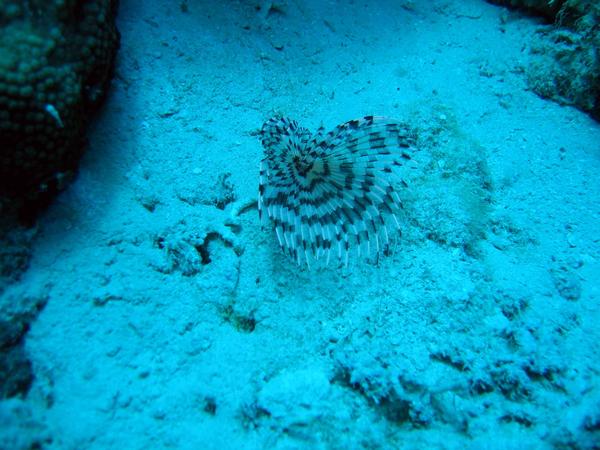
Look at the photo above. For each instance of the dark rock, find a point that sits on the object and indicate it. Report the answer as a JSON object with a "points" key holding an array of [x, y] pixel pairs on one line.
{"points": [[56, 62]]}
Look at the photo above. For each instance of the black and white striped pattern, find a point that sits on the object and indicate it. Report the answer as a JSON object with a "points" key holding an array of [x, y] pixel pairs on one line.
{"points": [[329, 192]]}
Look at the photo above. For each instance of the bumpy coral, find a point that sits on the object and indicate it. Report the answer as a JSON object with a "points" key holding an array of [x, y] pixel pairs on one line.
{"points": [[565, 63], [56, 60], [546, 8]]}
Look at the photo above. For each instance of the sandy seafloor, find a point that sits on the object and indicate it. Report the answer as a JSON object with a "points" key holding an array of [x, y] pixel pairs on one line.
{"points": [[174, 321]]}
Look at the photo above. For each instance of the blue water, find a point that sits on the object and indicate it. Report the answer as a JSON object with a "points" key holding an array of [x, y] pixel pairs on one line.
{"points": [[173, 319]]}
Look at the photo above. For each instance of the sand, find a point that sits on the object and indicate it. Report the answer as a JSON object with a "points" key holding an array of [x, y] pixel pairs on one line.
{"points": [[173, 320]]}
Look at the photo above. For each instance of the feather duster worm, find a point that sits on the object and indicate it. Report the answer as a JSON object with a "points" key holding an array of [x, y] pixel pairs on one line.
{"points": [[328, 193]]}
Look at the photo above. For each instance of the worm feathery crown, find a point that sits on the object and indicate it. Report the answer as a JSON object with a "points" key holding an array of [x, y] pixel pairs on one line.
{"points": [[329, 192]]}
